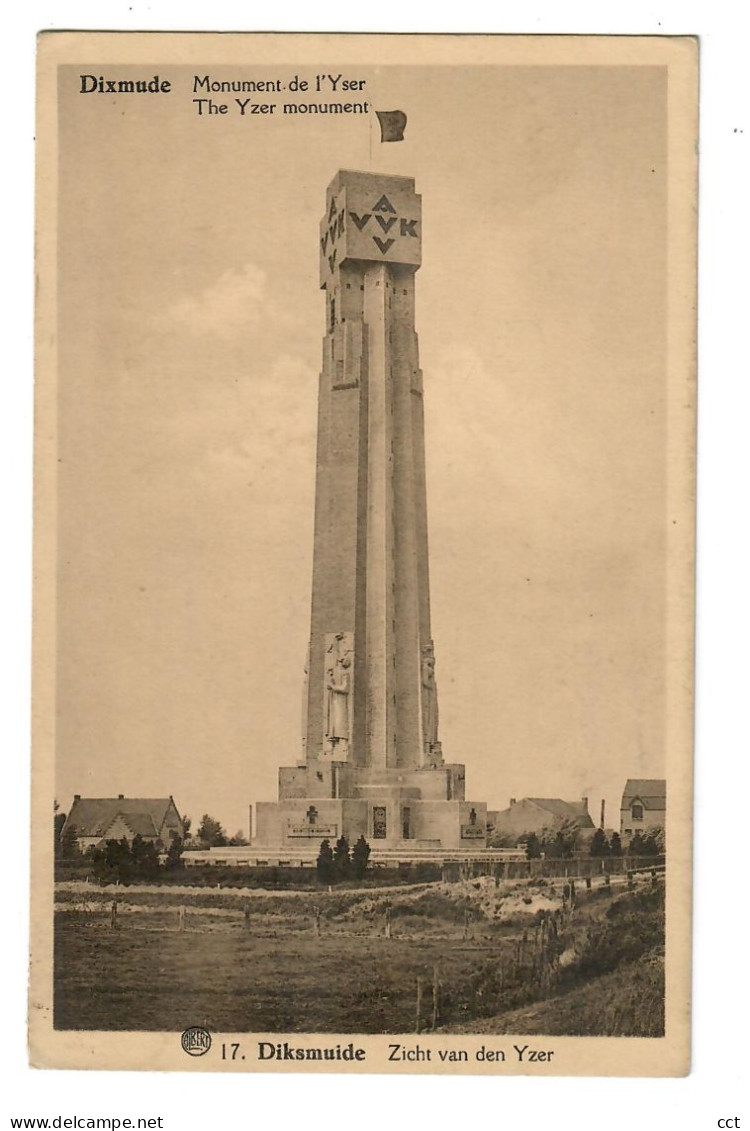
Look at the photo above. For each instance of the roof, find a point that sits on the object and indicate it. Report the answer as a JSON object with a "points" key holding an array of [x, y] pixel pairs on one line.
{"points": [[651, 791], [140, 824], [560, 808], [92, 816], [553, 809]]}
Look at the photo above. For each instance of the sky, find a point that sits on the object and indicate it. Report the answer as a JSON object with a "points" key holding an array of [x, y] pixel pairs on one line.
{"points": [[190, 328]]}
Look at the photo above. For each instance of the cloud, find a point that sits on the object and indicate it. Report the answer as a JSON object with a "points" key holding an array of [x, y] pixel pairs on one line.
{"points": [[237, 298], [276, 417]]}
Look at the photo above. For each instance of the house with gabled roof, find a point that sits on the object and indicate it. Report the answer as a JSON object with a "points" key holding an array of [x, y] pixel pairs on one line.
{"points": [[98, 819], [540, 814], [643, 807]]}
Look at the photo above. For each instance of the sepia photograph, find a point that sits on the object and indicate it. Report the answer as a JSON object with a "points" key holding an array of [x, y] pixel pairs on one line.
{"points": [[363, 659]]}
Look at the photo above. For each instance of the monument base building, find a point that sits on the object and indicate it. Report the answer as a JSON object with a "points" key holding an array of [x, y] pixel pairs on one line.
{"points": [[372, 764], [422, 809]]}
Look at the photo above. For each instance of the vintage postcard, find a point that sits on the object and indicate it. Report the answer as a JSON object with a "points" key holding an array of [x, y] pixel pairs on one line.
{"points": [[364, 553]]}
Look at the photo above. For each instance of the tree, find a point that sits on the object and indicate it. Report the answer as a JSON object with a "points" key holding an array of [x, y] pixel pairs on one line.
{"points": [[360, 857], [635, 848], [615, 845], [211, 833], [563, 843], [324, 863], [341, 858], [651, 845], [239, 838], [533, 847], [113, 862], [186, 824], [144, 858], [69, 849], [497, 839], [599, 845], [558, 847], [174, 854], [59, 821]]}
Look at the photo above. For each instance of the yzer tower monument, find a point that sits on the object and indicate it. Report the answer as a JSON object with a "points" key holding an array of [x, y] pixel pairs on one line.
{"points": [[372, 759]]}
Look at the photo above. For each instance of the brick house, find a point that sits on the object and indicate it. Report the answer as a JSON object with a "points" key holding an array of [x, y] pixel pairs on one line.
{"points": [[643, 807], [540, 814], [98, 819]]}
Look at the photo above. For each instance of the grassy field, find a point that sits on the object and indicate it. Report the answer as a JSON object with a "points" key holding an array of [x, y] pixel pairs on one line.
{"points": [[626, 1003], [236, 982], [276, 974]]}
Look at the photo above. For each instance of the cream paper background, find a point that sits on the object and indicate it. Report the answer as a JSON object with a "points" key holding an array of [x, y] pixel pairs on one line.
{"points": [[118, 457]]}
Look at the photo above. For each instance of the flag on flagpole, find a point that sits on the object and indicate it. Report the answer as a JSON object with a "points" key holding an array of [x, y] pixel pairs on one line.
{"points": [[392, 124]]}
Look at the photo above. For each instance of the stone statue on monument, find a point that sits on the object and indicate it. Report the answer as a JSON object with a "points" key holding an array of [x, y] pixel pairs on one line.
{"points": [[338, 694]]}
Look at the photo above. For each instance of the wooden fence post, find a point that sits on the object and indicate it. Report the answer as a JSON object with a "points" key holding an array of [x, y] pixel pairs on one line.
{"points": [[247, 916], [181, 919], [317, 921], [387, 929], [113, 915], [435, 998]]}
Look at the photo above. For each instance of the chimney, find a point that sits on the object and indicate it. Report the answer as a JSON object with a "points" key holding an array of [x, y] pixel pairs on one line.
{"points": [[512, 800], [76, 797], [601, 821], [120, 796], [585, 803]]}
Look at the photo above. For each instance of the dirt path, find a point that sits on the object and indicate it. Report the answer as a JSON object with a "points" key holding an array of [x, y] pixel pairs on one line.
{"points": [[80, 887]]}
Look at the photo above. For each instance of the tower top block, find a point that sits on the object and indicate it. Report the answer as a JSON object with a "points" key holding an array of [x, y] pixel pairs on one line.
{"points": [[370, 216]]}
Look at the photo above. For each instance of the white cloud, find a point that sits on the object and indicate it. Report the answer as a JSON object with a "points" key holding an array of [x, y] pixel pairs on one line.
{"points": [[237, 298]]}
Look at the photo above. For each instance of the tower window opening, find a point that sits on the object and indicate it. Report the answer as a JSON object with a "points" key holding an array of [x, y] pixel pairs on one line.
{"points": [[332, 314]]}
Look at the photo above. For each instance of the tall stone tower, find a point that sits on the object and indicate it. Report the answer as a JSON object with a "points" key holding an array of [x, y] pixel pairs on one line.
{"points": [[372, 760]]}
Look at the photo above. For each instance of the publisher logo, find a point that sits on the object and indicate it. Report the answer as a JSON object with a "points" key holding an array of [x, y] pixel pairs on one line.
{"points": [[196, 1041]]}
